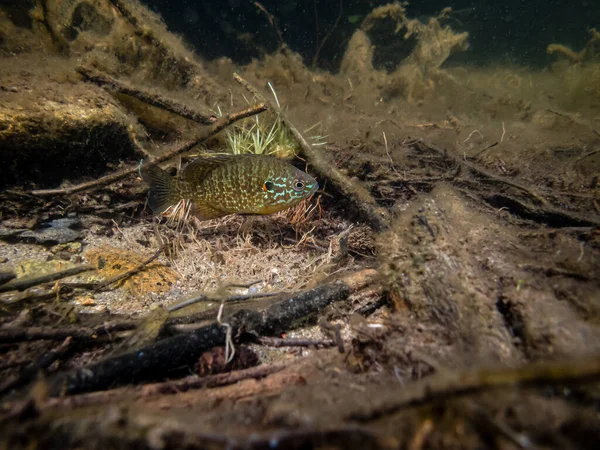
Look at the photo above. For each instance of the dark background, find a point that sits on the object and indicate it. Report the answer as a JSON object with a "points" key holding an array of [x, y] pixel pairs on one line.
{"points": [[514, 31]]}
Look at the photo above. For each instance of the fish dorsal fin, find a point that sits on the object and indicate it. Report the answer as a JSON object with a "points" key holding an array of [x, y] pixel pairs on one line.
{"points": [[199, 168]]}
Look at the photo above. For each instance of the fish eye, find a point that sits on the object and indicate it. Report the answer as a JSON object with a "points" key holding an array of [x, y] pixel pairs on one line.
{"points": [[268, 186], [298, 185]]}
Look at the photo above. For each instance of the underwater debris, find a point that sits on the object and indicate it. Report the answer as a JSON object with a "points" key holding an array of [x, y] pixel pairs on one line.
{"points": [[147, 96], [579, 73], [209, 132], [416, 75], [591, 51], [34, 273], [159, 359], [48, 124], [121, 38], [57, 231], [112, 261]]}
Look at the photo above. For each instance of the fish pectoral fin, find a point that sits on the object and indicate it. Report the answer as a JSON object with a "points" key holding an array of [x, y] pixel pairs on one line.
{"points": [[162, 192], [200, 167], [207, 212]]}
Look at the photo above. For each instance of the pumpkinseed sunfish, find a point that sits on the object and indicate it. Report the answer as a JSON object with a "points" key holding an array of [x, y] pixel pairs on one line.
{"points": [[230, 184]]}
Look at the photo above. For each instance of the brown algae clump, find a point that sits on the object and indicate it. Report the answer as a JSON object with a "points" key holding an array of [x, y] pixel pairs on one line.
{"points": [[112, 261]]}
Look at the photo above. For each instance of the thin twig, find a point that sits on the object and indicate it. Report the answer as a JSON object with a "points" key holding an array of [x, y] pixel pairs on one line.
{"points": [[26, 283], [29, 373], [101, 285], [158, 360], [163, 388], [337, 333], [587, 155], [5, 277], [483, 418], [570, 118], [273, 23], [483, 150], [207, 133], [12, 334], [235, 298], [484, 174], [328, 35], [471, 134], [370, 308], [387, 151], [151, 98], [290, 342]]}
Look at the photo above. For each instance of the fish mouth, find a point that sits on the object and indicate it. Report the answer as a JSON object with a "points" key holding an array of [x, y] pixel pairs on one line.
{"points": [[314, 189]]}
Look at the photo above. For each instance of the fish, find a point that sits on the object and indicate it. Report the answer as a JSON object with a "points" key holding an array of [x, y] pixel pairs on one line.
{"points": [[221, 185]]}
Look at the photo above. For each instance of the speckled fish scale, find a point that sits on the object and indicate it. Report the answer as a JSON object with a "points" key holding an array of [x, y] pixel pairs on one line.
{"points": [[231, 184]]}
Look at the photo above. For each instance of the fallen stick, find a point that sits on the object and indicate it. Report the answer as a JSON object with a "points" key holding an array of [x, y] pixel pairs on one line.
{"points": [[365, 203], [587, 155], [552, 217], [160, 359], [151, 98], [12, 334], [575, 121], [546, 213], [137, 427], [164, 388], [29, 373], [207, 133], [235, 298], [483, 150], [497, 179], [5, 277], [291, 342], [210, 381], [370, 308], [273, 23], [26, 283], [450, 385], [36, 297]]}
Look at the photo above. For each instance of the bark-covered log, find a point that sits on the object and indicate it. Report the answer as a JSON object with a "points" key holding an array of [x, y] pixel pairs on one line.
{"points": [[164, 358]]}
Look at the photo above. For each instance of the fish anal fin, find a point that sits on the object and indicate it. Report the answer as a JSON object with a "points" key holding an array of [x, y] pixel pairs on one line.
{"points": [[206, 212]]}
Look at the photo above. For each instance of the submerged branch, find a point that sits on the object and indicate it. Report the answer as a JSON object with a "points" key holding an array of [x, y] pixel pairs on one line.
{"points": [[450, 385], [12, 334], [29, 373], [151, 98], [209, 132], [26, 283], [159, 360]]}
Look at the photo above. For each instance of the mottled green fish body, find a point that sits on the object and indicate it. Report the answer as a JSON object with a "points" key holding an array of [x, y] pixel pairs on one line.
{"points": [[230, 184]]}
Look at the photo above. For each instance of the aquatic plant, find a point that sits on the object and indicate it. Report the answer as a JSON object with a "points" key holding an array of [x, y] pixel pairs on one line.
{"points": [[262, 136]]}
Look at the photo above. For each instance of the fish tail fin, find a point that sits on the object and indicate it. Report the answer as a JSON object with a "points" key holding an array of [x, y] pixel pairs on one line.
{"points": [[164, 190]]}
